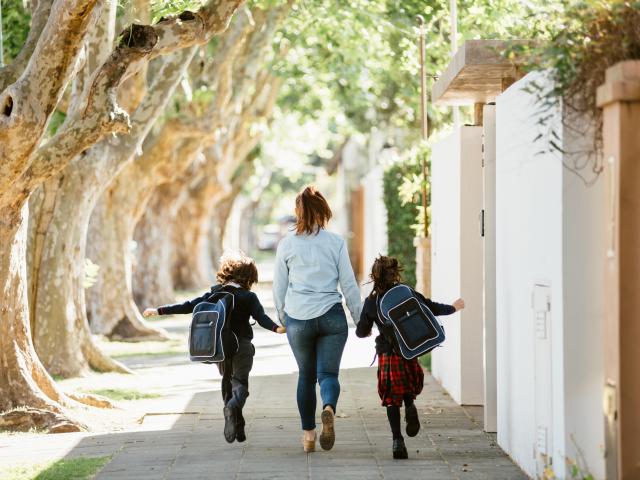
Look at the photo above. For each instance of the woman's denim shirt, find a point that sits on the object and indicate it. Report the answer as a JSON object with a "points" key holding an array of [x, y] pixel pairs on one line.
{"points": [[307, 273]]}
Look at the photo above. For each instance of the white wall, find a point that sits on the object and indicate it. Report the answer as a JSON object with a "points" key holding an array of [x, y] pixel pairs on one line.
{"points": [[489, 264], [583, 251], [529, 252], [456, 203], [445, 256], [548, 234]]}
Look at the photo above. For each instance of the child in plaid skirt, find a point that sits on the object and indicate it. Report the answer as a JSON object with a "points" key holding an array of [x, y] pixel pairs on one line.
{"points": [[400, 380]]}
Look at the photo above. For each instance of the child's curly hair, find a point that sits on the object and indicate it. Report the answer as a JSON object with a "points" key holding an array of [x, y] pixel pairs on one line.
{"points": [[385, 273], [238, 268]]}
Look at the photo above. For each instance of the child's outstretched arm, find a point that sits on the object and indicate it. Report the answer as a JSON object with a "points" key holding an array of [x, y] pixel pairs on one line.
{"points": [[259, 315], [439, 309], [177, 308]]}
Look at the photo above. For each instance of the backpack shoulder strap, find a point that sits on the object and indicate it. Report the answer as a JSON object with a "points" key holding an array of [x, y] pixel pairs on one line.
{"points": [[387, 331], [219, 291]]}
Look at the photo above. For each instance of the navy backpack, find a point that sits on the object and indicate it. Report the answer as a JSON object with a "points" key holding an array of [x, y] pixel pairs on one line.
{"points": [[416, 328], [211, 339]]}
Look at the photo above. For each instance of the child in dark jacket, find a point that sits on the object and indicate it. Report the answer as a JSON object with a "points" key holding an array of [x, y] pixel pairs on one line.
{"points": [[399, 380], [236, 275]]}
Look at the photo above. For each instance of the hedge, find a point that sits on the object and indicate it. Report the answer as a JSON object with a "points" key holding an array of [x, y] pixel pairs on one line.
{"points": [[401, 218]]}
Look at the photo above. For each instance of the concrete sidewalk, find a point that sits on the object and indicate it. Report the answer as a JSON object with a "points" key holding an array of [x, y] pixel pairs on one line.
{"points": [[181, 437], [451, 444]]}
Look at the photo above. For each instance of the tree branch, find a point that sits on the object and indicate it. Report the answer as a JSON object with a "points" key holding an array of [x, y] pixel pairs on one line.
{"points": [[10, 73], [102, 115], [27, 104], [189, 29]]}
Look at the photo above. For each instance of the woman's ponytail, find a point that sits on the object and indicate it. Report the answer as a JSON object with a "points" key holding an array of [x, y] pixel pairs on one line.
{"points": [[312, 211]]}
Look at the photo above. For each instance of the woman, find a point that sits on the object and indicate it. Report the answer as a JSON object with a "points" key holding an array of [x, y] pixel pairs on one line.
{"points": [[310, 264]]}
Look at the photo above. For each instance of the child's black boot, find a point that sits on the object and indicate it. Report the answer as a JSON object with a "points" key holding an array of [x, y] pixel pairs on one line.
{"points": [[412, 419], [230, 421], [241, 436], [399, 449]]}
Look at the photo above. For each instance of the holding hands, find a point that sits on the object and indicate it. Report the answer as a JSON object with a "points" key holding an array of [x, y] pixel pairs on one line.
{"points": [[281, 330]]}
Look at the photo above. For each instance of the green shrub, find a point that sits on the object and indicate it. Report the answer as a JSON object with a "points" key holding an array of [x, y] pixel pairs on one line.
{"points": [[401, 218], [425, 361], [403, 200]]}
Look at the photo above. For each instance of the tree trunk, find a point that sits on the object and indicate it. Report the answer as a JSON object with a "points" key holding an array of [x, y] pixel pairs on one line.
{"points": [[218, 225], [23, 380], [18, 359], [152, 281], [110, 305], [192, 266], [61, 316], [61, 336], [41, 75]]}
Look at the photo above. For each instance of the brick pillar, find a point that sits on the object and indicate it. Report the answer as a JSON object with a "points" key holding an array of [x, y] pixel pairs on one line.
{"points": [[619, 97]]}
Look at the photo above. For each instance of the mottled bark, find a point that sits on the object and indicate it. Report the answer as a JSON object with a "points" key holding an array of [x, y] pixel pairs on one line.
{"points": [[192, 266], [100, 114], [134, 87], [163, 161], [23, 380], [25, 108], [219, 180], [62, 336], [218, 223], [39, 17], [17, 357], [226, 205], [110, 305], [200, 224], [63, 305], [152, 279], [27, 104]]}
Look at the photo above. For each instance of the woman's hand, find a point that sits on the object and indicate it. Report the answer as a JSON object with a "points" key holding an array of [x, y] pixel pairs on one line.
{"points": [[281, 330], [458, 304], [150, 312]]}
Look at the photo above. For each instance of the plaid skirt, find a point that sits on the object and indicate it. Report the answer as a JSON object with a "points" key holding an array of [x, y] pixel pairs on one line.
{"points": [[397, 378]]}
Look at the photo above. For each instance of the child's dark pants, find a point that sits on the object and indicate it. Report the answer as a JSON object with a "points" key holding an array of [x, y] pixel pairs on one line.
{"points": [[235, 375]]}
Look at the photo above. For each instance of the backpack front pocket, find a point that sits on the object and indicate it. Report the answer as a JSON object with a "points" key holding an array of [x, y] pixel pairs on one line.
{"points": [[412, 324], [203, 334]]}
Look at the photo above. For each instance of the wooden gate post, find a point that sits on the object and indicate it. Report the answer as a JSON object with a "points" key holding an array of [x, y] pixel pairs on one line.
{"points": [[619, 97]]}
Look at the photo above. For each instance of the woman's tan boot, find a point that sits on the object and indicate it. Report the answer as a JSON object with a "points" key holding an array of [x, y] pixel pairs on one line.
{"points": [[309, 445]]}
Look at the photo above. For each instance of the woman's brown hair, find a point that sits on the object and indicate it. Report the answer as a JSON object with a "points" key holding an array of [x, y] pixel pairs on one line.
{"points": [[312, 211], [385, 273], [239, 269]]}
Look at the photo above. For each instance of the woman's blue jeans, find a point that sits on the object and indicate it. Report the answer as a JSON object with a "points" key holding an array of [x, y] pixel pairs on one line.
{"points": [[317, 345]]}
